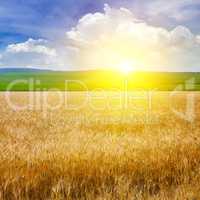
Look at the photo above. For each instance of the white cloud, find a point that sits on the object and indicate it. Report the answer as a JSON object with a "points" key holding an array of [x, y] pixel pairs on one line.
{"points": [[198, 39], [32, 46], [180, 10], [106, 39], [109, 39], [38, 53]]}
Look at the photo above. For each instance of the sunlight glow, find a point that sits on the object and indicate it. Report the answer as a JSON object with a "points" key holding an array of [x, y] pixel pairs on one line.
{"points": [[126, 67]]}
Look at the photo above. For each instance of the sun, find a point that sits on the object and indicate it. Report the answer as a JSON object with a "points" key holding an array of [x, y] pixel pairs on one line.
{"points": [[126, 67]]}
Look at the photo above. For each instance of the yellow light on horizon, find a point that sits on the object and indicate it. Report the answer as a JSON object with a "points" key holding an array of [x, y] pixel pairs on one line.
{"points": [[126, 67]]}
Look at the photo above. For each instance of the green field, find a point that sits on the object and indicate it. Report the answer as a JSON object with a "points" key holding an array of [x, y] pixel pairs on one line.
{"points": [[97, 80]]}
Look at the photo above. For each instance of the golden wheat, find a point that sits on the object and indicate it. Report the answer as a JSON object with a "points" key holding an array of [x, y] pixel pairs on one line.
{"points": [[99, 151]]}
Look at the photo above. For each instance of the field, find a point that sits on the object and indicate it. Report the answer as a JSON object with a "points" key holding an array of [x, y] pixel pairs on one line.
{"points": [[101, 149], [39, 80]]}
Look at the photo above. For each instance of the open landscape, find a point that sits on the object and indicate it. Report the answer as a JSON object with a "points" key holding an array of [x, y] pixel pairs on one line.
{"points": [[99, 150], [44, 80], [99, 100]]}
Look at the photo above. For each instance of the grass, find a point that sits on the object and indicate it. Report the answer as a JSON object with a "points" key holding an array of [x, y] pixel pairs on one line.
{"points": [[94, 154], [97, 80]]}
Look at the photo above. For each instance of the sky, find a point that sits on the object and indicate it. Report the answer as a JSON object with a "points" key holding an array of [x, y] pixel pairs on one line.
{"points": [[156, 35]]}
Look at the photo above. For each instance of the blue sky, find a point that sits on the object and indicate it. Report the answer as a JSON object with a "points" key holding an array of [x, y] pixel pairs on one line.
{"points": [[49, 20], [22, 19]]}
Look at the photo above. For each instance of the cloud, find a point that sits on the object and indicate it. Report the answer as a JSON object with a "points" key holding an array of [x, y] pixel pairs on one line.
{"points": [[30, 53], [198, 39], [32, 46], [179, 10], [107, 39]]}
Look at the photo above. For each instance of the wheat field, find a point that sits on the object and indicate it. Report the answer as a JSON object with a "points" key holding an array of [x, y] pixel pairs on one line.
{"points": [[99, 149]]}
